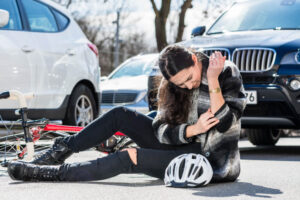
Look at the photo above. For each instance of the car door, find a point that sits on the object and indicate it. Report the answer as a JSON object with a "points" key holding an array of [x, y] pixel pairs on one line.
{"points": [[16, 55], [52, 60]]}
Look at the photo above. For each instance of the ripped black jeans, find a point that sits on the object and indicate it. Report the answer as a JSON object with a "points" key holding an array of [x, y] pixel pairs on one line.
{"points": [[152, 157]]}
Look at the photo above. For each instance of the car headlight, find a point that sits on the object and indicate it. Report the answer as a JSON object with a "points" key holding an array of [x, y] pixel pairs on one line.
{"points": [[297, 57], [292, 58], [142, 95], [146, 98], [295, 84]]}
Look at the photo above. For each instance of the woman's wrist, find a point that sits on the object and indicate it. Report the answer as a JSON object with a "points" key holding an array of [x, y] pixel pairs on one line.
{"points": [[191, 131], [213, 81], [215, 90], [213, 85]]}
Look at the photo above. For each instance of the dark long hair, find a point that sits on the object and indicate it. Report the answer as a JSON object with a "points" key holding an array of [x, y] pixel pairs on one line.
{"points": [[173, 100]]}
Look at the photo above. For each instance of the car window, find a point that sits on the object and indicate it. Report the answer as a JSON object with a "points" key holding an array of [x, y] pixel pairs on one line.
{"points": [[136, 67], [62, 21], [14, 22], [39, 16], [259, 15]]}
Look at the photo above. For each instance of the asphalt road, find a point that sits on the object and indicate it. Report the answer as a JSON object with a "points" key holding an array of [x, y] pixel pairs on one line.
{"points": [[267, 173]]}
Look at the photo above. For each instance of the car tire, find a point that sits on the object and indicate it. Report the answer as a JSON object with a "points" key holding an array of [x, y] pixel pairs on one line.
{"points": [[263, 136], [81, 108]]}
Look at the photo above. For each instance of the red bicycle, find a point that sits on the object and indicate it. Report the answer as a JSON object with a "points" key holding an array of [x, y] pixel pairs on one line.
{"points": [[37, 135]]}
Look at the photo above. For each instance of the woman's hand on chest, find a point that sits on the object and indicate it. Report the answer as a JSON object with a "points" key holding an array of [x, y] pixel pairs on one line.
{"points": [[205, 122]]}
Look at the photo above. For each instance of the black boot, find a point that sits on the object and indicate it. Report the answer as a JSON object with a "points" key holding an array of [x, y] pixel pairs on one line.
{"points": [[18, 170], [56, 155]]}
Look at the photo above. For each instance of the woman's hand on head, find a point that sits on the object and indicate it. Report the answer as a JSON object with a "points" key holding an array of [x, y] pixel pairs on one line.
{"points": [[216, 65], [205, 122]]}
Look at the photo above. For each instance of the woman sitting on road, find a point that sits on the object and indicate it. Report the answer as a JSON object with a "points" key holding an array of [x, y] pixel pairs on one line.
{"points": [[201, 101]]}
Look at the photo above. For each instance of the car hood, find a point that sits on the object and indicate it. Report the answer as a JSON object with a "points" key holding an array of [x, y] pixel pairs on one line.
{"points": [[263, 38], [126, 83]]}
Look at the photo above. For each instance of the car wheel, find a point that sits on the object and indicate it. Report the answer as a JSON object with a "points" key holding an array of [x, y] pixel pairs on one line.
{"points": [[263, 136], [82, 107]]}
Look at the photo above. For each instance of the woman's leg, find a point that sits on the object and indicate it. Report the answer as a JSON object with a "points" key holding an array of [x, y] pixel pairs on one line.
{"points": [[99, 169], [152, 162], [135, 125]]}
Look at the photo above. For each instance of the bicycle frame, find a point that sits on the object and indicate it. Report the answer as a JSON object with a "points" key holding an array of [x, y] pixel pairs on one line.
{"points": [[23, 111], [36, 132], [73, 129], [33, 134]]}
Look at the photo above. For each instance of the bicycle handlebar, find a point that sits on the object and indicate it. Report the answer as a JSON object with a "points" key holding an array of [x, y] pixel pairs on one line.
{"points": [[17, 95]]}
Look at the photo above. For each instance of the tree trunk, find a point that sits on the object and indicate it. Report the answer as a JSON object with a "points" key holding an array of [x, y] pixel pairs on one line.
{"points": [[160, 32], [161, 17], [186, 5]]}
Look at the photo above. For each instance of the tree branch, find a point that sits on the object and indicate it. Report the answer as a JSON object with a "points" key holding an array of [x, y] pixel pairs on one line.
{"points": [[165, 9], [154, 7], [186, 5], [68, 4]]}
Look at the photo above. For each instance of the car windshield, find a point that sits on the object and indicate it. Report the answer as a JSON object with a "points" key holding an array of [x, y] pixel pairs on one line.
{"points": [[259, 15], [136, 67]]}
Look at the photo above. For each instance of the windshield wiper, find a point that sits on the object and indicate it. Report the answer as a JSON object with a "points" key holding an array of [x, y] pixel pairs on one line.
{"points": [[261, 29], [219, 32], [280, 28]]}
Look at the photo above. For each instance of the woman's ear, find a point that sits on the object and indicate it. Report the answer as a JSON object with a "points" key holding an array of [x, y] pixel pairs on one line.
{"points": [[194, 57]]}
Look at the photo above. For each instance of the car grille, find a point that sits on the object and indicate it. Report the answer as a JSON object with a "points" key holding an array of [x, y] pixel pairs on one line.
{"points": [[115, 98], [254, 59], [225, 52], [258, 79]]}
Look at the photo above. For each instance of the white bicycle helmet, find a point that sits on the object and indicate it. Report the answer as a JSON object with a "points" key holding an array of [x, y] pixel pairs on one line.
{"points": [[188, 170]]}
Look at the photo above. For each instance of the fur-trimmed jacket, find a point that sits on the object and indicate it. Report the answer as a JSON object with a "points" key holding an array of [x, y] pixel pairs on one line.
{"points": [[220, 143]]}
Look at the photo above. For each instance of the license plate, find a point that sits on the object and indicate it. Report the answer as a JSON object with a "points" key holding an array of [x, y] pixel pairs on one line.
{"points": [[251, 96]]}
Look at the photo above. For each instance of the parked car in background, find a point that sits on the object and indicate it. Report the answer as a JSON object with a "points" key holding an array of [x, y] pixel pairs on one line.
{"points": [[263, 39], [127, 85], [43, 50]]}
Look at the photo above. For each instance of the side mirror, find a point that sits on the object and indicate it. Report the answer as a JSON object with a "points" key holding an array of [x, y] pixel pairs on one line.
{"points": [[198, 31], [4, 17], [103, 78]]}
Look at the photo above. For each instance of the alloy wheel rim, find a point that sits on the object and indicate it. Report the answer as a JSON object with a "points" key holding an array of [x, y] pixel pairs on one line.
{"points": [[83, 111]]}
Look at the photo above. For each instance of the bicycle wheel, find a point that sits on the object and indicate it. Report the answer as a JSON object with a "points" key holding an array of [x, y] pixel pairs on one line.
{"points": [[13, 145]]}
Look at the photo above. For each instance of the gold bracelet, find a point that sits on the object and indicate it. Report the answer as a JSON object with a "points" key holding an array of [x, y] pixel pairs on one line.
{"points": [[216, 90]]}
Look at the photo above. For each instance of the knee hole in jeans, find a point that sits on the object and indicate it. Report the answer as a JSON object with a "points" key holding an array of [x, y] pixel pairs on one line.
{"points": [[132, 152]]}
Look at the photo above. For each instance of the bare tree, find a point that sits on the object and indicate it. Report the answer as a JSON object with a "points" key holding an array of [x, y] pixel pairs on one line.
{"points": [[161, 16], [186, 5]]}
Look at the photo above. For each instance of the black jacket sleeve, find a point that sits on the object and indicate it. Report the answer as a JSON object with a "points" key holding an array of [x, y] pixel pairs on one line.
{"points": [[234, 95], [169, 134]]}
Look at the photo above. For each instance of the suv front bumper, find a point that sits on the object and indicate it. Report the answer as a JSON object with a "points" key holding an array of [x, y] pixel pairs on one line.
{"points": [[277, 107]]}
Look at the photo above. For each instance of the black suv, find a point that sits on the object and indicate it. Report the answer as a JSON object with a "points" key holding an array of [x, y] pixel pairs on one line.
{"points": [[263, 39]]}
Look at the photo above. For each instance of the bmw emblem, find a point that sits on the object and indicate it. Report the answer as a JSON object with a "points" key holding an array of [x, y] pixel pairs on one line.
{"points": [[297, 57]]}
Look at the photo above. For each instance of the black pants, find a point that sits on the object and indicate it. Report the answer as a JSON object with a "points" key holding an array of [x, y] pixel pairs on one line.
{"points": [[152, 158]]}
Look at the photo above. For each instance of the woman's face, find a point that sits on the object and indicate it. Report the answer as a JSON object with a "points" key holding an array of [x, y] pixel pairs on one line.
{"points": [[189, 77]]}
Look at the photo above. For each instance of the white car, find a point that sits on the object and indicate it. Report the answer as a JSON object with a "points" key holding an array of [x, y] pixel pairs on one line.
{"points": [[43, 50], [127, 85]]}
